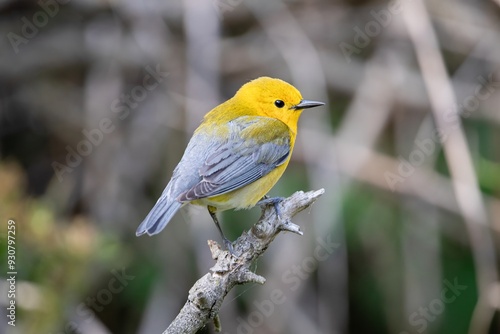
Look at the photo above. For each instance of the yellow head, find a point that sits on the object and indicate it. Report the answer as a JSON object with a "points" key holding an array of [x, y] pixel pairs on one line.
{"points": [[274, 98]]}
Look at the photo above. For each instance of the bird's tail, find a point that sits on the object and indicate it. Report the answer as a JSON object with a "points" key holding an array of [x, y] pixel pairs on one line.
{"points": [[159, 216]]}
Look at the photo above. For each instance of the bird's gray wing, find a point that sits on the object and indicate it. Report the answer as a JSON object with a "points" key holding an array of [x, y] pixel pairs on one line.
{"points": [[255, 146]]}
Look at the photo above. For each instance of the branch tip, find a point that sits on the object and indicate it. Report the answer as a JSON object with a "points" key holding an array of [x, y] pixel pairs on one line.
{"points": [[291, 227], [251, 277], [215, 249]]}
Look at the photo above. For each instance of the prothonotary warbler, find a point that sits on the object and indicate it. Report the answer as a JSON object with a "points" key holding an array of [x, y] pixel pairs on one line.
{"points": [[236, 155]]}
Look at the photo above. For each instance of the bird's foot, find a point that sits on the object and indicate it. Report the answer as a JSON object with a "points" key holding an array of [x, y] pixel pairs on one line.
{"points": [[229, 245], [274, 201]]}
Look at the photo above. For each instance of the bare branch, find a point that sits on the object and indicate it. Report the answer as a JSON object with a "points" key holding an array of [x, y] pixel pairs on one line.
{"points": [[207, 294]]}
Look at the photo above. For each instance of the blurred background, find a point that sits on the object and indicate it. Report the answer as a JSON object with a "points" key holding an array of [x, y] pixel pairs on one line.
{"points": [[99, 98]]}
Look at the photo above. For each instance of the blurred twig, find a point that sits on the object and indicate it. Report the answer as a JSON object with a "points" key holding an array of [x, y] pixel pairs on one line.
{"points": [[208, 293], [458, 158], [428, 186]]}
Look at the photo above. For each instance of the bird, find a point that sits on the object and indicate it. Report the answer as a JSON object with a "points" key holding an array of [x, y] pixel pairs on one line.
{"points": [[236, 155]]}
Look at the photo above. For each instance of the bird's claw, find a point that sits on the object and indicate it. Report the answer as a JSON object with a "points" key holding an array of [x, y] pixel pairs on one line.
{"points": [[274, 201], [229, 246]]}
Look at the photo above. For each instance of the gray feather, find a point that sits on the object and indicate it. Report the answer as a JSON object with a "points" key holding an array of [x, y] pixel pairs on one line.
{"points": [[237, 163], [211, 167]]}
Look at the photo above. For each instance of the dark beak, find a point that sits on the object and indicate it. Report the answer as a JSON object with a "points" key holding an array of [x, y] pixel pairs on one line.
{"points": [[306, 104]]}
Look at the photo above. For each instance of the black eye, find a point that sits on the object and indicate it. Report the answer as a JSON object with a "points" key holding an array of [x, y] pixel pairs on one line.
{"points": [[279, 103]]}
